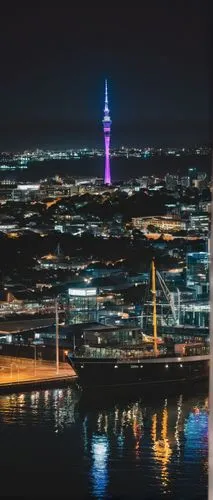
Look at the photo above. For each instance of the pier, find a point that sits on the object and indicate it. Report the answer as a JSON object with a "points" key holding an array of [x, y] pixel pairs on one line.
{"points": [[26, 374]]}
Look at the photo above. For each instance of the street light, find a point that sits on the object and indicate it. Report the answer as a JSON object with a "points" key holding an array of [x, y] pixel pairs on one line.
{"points": [[35, 356], [57, 330]]}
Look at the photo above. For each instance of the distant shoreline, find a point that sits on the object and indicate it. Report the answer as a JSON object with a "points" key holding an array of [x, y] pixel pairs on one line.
{"points": [[122, 168]]}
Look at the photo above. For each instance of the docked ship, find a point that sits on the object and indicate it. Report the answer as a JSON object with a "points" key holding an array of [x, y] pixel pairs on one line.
{"points": [[116, 357]]}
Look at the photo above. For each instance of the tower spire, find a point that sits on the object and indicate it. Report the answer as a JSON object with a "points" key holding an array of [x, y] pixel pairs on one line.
{"points": [[106, 97]]}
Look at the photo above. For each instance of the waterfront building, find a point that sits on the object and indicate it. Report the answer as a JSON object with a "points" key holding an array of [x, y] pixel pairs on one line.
{"points": [[82, 304], [197, 271], [195, 314]]}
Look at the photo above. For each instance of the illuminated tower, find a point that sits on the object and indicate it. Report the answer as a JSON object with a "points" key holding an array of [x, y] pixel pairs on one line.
{"points": [[107, 125]]}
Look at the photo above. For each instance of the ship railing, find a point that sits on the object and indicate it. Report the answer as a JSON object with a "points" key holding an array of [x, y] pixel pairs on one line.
{"points": [[93, 353]]}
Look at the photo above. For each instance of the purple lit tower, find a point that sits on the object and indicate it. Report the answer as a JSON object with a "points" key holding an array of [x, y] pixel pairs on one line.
{"points": [[107, 125]]}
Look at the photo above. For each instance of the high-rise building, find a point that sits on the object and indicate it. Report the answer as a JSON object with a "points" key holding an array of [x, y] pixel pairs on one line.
{"points": [[107, 126]]}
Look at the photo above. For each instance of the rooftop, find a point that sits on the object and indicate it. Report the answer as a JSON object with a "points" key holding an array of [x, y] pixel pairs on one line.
{"points": [[8, 327]]}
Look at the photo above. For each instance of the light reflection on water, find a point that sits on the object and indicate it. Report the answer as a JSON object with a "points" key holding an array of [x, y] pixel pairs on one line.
{"points": [[143, 447], [49, 408], [99, 469]]}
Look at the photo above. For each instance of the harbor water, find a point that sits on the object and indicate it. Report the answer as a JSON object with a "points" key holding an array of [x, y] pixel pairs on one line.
{"points": [[62, 442]]}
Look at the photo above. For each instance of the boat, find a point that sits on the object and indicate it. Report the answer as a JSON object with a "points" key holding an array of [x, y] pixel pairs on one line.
{"points": [[120, 357]]}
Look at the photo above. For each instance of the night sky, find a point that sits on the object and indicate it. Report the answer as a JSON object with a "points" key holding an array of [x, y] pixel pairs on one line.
{"points": [[54, 62]]}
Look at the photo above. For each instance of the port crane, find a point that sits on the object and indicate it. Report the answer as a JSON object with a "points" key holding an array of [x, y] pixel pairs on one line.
{"points": [[173, 309]]}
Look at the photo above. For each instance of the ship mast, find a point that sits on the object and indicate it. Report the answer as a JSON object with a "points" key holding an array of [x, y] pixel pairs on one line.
{"points": [[154, 323]]}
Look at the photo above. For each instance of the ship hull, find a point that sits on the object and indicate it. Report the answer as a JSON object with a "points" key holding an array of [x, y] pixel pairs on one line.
{"points": [[112, 373]]}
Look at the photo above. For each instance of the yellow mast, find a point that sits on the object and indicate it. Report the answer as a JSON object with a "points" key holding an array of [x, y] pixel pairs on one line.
{"points": [[154, 308]]}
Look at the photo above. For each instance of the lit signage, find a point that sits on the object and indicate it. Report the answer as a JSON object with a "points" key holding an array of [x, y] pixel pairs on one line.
{"points": [[82, 292], [25, 187]]}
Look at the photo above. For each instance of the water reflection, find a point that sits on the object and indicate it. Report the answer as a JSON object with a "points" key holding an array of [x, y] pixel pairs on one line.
{"points": [[154, 446], [99, 471], [178, 425], [161, 447], [154, 437], [196, 434], [53, 409]]}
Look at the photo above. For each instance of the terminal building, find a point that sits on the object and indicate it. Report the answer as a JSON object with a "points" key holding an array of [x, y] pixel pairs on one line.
{"points": [[195, 314], [82, 305], [197, 272]]}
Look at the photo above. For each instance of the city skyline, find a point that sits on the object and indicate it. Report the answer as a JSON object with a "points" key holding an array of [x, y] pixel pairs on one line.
{"points": [[51, 85], [105, 275]]}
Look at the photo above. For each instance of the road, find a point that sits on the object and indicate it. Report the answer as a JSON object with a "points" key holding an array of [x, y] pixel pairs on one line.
{"points": [[14, 370]]}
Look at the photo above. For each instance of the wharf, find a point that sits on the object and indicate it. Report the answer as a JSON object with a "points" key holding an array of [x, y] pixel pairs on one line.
{"points": [[27, 374]]}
